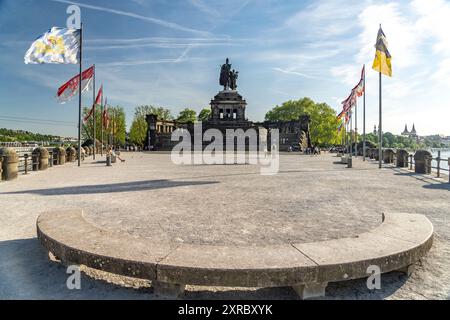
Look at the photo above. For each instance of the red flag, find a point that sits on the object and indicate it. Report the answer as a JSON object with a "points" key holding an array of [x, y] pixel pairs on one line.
{"points": [[97, 102], [68, 90], [89, 114], [105, 115], [99, 96]]}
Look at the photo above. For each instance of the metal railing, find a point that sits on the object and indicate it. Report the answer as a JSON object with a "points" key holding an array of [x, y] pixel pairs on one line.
{"points": [[436, 168]]}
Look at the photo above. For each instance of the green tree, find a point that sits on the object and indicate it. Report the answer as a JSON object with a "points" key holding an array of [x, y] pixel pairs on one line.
{"points": [[87, 132], [138, 131], [162, 113], [323, 128], [187, 115], [117, 126], [204, 115]]}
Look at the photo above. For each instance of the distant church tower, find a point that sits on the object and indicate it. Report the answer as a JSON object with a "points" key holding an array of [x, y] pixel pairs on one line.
{"points": [[413, 132], [410, 134], [405, 132]]}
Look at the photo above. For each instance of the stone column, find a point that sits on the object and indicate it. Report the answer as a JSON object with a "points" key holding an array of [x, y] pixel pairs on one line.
{"points": [[388, 156], [71, 154], [42, 156], [10, 163], [422, 159], [376, 155], [402, 158], [60, 155]]}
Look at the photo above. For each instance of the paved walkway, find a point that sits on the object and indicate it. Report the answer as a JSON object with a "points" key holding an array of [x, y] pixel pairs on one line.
{"points": [[311, 199]]}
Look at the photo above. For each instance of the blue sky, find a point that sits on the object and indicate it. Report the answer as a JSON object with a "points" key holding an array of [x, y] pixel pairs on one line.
{"points": [[168, 52]]}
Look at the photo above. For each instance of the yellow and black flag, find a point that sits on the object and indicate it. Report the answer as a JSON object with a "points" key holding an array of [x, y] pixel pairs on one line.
{"points": [[382, 61]]}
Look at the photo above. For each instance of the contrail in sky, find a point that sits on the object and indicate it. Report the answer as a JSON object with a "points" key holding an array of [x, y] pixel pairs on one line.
{"points": [[163, 23]]}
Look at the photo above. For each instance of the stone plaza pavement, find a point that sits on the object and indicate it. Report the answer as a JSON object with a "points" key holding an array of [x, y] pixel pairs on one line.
{"points": [[310, 199]]}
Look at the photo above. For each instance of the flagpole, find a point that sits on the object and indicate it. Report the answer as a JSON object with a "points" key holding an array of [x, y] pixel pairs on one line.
{"points": [[351, 132], [346, 137], [79, 95], [113, 128], [94, 118], [101, 120], [380, 130], [356, 128], [364, 115]]}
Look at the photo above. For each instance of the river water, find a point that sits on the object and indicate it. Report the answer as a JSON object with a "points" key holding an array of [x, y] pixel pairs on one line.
{"points": [[445, 154]]}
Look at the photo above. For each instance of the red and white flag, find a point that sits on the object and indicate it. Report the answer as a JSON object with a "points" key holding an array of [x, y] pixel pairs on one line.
{"points": [[68, 90], [359, 89]]}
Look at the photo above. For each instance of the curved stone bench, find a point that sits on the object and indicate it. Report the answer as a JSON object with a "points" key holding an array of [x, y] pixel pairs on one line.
{"points": [[400, 241]]}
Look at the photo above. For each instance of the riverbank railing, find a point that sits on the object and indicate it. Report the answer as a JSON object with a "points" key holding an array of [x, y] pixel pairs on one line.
{"points": [[438, 168]]}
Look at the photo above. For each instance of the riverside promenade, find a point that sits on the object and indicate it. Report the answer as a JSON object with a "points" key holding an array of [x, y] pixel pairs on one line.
{"points": [[310, 199]]}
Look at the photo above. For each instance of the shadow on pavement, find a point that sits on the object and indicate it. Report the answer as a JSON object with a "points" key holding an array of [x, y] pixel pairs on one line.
{"points": [[114, 187], [27, 273]]}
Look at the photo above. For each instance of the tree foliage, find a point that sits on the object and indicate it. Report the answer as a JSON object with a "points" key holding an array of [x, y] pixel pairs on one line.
{"points": [[144, 110], [323, 128], [8, 135], [204, 115], [116, 129], [187, 115], [138, 131]]}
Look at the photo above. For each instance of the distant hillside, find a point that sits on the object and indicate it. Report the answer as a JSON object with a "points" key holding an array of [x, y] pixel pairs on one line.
{"points": [[7, 135]]}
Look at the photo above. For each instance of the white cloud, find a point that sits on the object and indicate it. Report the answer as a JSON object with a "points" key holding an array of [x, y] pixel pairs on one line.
{"points": [[434, 22], [324, 19]]}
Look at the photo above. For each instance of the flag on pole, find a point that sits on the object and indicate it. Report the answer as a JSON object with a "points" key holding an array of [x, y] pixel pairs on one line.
{"points": [[97, 103], [57, 45], [348, 103], [105, 115], [91, 112], [359, 89], [68, 90], [98, 100], [382, 61]]}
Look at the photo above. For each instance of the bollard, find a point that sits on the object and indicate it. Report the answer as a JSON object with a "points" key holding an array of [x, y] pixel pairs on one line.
{"points": [[438, 159], [1, 167], [50, 158], [350, 162], [402, 158], [422, 160], [376, 155], [71, 154], [34, 162], [411, 161], [60, 155], [10, 163], [26, 163], [108, 160], [40, 159], [448, 170], [388, 156]]}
